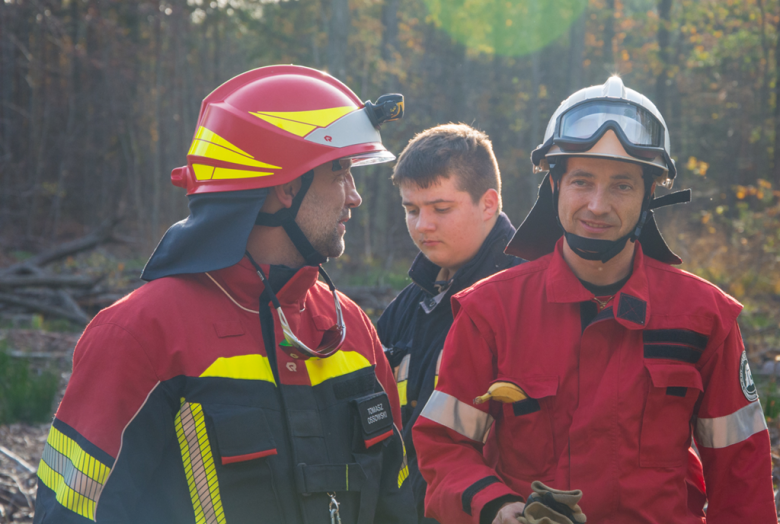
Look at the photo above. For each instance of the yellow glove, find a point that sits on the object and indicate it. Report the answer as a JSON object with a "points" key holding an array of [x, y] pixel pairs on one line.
{"points": [[552, 506]]}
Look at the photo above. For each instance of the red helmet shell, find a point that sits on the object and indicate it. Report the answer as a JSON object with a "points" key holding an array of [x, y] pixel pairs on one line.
{"points": [[271, 125]]}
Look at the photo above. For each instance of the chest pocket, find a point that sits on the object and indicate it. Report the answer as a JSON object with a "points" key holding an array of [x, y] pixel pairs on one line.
{"points": [[532, 418], [242, 445], [666, 422]]}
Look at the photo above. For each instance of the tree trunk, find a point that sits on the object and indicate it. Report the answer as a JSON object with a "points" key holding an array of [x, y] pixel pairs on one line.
{"points": [[576, 48], [390, 42], [609, 37], [156, 116], [338, 32], [664, 20], [776, 114]]}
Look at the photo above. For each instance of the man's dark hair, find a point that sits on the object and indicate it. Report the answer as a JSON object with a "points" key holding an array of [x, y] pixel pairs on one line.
{"points": [[448, 150]]}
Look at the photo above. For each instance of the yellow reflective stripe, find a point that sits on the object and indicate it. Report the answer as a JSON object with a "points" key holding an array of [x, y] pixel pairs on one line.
{"points": [[403, 474], [203, 172], [187, 461], [210, 136], [76, 477], [82, 460], [402, 392], [223, 173], [336, 365], [403, 368], [401, 377], [296, 128], [438, 367], [199, 464], [318, 117], [66, 496], [244, 367], [213, 151]]}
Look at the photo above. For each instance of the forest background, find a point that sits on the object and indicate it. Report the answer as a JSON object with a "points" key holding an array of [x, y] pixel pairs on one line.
{"points": [[99, 100]]}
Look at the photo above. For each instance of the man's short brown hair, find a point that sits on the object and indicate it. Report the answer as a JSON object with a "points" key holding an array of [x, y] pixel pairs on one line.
{"points": [[450, 150]]}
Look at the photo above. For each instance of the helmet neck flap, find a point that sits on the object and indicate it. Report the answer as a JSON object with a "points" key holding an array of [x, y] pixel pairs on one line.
{"points": [[285, 218]]}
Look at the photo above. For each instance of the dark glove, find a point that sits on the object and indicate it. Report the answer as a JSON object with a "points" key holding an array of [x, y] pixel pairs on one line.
{"points": [[552, 506]]}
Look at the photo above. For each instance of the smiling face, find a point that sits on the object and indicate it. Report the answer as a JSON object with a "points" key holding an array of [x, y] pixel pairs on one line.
{"points": [[445, 222], [327, 207], [600, 198]]}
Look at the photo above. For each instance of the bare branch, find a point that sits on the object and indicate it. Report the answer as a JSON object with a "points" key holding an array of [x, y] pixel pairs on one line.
{"points": [[16, 458]]}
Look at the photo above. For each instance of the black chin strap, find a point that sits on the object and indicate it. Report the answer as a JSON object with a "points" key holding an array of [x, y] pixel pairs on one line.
{"points": [[286, 218], [605, 250]]}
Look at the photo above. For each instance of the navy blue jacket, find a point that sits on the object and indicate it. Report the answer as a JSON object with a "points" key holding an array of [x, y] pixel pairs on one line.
{"points": [[413, 328]]}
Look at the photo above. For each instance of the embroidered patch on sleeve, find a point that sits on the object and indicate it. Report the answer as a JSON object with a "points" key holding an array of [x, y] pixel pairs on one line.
{"points": [[746, 379]]}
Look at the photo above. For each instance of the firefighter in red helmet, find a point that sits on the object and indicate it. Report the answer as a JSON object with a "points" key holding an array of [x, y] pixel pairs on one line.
{"points": [[235, 386], [576, 384]]}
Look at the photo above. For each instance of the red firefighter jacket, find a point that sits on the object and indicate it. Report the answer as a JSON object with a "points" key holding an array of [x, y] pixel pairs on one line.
{"points": [[178, 412], [612, 404]]}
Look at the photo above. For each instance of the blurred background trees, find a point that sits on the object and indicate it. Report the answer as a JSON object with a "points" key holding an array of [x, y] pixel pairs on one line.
{"points": [[98, 101]]}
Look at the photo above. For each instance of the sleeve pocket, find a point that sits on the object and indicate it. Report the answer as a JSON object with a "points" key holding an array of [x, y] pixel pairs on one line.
{"points": [[666, 422], [242, 433]]}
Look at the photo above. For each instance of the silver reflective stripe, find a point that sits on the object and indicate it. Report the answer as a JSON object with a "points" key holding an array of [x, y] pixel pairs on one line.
{"points": [[720, 432], [458, 416], [403, 369], [73, 478]]}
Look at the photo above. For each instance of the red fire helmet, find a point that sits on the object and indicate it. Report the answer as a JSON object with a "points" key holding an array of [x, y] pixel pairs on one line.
{"points": [[271, 125]]}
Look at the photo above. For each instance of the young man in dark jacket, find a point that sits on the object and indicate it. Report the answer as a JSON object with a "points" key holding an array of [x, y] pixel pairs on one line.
{"points": [[451, 190]]}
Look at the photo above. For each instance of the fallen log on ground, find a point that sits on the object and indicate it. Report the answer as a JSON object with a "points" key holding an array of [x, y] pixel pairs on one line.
{"points": [[49, 281], [101, 235]]}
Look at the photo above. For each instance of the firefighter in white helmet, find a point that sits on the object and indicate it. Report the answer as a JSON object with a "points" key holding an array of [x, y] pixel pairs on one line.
{"points": [[591, 366]]}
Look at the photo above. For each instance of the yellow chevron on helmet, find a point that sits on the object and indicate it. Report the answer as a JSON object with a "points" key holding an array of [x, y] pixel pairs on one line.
{"points": [[302, 123]]}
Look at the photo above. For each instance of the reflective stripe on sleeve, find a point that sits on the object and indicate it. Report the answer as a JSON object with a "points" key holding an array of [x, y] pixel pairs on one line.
{"points": [[720, 432], [458, 416], [402, 378], [76, 477]]}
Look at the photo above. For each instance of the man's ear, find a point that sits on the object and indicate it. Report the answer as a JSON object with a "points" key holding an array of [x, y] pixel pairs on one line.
{"points": [[489, 204], [285, 193]]}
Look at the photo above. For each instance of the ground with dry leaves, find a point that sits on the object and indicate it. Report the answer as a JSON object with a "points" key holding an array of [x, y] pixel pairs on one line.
{"points": [[21, 446]]}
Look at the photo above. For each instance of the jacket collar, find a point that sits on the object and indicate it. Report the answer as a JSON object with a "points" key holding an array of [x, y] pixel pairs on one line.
{"points": [[631, 305], [244, 285], [423, 272]]}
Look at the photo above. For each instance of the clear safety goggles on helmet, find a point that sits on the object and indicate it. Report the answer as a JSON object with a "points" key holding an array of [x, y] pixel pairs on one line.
{"points": [[639, 131], [334, 336]]}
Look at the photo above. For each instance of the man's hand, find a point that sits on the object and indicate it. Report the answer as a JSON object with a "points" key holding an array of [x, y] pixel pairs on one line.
{"points": [[509, 513]]}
